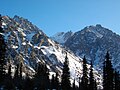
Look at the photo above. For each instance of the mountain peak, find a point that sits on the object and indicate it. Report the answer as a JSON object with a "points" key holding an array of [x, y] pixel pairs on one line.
{"points": [[61, 37], [94, 41]]}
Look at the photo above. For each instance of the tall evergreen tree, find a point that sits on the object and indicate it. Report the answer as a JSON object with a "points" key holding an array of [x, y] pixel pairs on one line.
{"points": [[28, 83], [52, 82], [9, 85], [2, 53], [84, 82], [79, 84], [74, 86], [42, 81], [20, 77], [92, 82], [10, 71], [107, 74], [21, 66], [18, 81], [65, 84], [57, 82]]}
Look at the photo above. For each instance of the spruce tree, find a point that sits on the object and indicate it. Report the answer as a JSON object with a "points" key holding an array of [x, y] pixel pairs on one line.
{"points": [[2, 53], [73, 86], [53, 82], [107, 74], [17, 77], [46, 76], [84, 82], [92, 81], [21, 66], [39, 78], [9, 85], [10, 71], [65, 84], [79, 84], [28, 83], [42, 81], [20, 77], [57, 82]]}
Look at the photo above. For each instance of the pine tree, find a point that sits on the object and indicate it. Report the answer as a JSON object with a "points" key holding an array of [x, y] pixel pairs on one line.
{"points": [[20, 77], [18, 81], [65, 84], [92, 85], [28, 83], [21, 66], [84, 82], [57, 82], [80, 84], [16, 76], [10, 71], [73, 86], [107, 74], [2, 53], [46, 75], [9, 85], [53, 82], [38, 77], [42, 81]]}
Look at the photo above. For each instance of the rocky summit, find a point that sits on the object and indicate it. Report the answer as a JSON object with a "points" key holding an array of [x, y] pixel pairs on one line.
{"points": [[94, 42]]}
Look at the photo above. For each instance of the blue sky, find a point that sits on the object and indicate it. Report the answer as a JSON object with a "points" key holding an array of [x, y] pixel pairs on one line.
{"points": [[64, 15]]}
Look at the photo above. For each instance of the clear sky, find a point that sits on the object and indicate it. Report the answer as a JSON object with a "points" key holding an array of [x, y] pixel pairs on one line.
{"points": [[64, 15]]}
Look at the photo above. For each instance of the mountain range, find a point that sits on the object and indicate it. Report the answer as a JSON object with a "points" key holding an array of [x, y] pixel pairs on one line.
{"points": [[94, 42], [28, 44]]}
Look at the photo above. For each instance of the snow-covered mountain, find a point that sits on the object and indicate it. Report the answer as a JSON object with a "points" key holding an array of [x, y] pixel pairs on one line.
{"points": [[61, 37], [94, 42], [29, 45]]}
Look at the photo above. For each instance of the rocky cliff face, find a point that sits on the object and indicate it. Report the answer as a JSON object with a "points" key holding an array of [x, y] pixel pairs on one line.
{"points": [[94, 42]]}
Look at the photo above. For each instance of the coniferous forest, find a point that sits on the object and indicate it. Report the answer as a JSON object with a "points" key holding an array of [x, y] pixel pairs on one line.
{"points": [[41, 80]]}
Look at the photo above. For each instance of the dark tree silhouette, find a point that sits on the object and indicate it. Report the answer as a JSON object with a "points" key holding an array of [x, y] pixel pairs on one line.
{"points": [[28, 83], [84, 82], [53, 82], [74, 86], [9, 85], [21, 66], [18, 80], [79, 84], [92, 81], [107, 74], [42, 81], [10, 71], [65, 84], [57, 82]]}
